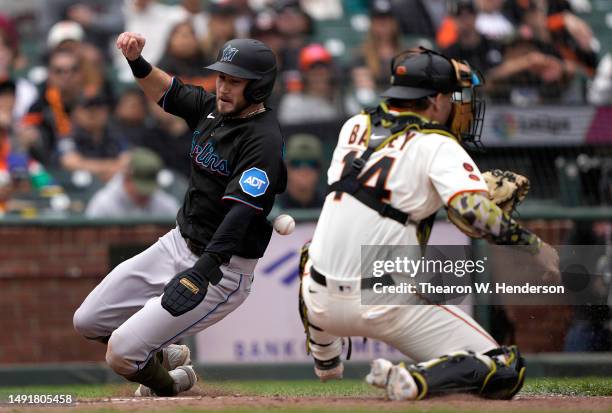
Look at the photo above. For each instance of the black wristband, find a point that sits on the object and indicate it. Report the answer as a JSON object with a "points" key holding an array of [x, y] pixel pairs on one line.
{"points": [[208, 267], [140, 67]]}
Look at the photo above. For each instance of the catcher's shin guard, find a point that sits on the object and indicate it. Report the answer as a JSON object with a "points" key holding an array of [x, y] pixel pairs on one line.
{"points": [[509, 375], [497, 374]]}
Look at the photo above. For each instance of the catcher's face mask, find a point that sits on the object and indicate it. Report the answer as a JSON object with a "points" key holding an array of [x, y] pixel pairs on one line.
{"points": [[467, 114]]}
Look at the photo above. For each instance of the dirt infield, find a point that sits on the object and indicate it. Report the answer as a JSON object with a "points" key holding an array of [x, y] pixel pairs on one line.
{"points": [[454, 403], [215, 400]]}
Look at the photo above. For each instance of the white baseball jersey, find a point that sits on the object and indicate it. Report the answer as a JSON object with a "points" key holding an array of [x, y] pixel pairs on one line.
{"points": [[417, 173]]}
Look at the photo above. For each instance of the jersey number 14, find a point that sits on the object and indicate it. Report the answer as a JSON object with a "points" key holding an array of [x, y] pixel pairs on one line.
{"points": [[379, 171]]}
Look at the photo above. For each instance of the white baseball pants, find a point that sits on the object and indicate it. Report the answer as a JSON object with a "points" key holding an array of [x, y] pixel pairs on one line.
{"points": [[421, 332], [126, 305]]}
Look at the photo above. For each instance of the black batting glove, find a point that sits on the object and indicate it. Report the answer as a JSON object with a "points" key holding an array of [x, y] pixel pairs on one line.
{"points": [[187, 289]]}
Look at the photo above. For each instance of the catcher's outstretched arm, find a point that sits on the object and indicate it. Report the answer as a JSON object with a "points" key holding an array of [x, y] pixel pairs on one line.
{"points": [[477, 211]]}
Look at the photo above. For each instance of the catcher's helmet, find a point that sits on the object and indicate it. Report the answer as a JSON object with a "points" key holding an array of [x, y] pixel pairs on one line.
{"points": [[248, 59], [418, 73]]}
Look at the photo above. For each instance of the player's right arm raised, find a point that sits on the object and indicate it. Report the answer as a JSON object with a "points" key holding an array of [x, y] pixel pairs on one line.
{"points": [[153, 81], [185, 101]]}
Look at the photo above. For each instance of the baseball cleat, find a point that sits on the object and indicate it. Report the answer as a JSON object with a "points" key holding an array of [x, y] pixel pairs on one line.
{"points": [[331, 374], [379, 373], [184, 378], [329, 369], [176, 355], [401, 384], [173, 356], [144, 391]]}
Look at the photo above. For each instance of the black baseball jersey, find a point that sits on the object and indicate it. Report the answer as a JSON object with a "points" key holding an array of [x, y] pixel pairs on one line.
{"points": [[232, 160]]}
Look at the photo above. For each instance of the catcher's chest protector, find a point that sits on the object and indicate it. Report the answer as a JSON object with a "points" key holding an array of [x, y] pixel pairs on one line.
{"points": [[351, 184]]}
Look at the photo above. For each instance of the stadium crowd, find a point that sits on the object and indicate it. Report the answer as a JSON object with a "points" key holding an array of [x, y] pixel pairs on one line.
{"points": [[73, 125]]}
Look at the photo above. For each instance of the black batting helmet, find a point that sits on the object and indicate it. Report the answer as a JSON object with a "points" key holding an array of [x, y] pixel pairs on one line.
{"points": [[248, 59]]}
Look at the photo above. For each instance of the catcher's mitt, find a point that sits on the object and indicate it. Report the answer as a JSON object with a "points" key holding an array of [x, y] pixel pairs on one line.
{"points": [[506, 189]]}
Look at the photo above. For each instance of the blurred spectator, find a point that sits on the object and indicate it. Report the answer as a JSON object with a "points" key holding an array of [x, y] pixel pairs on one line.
{"points": [[134, 192], [381, 44], [323, 9], [529, 75], [132, 118], [15, 9], [15, 183], [532, 71], [319, 99], [185, 59], [101, 20], [48, 119], [265, 30], [197, 16], [415, 17], [5, 188], [245, 14], [572, 35], [19, 175], [94, 145], [93, 67], [154, 21], [304, 157], [7, 102], [480, 52], [26, 92], [8, 30], [600, 92], [491, 22], [145, 124], [363, 91], [171, 139], [554, 22], [68, 35], [295, 27], [65, 34], [221, 28]]}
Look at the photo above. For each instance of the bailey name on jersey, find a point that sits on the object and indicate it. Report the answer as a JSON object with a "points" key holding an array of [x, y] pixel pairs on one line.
{"points": [[359, 137]]}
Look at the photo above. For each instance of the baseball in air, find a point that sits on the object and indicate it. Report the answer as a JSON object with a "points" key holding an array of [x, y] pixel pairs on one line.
{"points": [[284, 224]]}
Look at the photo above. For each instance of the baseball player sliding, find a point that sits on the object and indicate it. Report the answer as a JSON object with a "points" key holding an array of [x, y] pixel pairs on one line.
{"points": [[202, 270], [394, 166]]}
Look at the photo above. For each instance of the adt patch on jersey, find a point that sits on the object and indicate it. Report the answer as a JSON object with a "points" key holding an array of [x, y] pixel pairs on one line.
{"points": [[254, 182]]}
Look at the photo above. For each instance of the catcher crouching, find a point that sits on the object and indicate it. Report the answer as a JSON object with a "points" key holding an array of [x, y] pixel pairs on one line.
{"points": [[393, 168]]}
